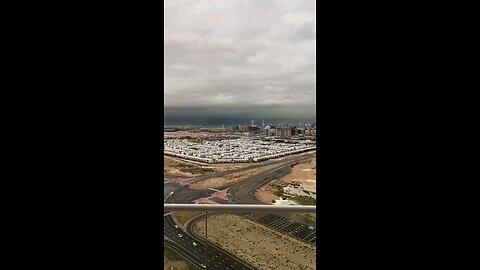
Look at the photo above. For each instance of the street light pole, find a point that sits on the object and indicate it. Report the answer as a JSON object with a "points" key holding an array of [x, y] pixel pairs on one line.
{"points": [[206, 254]]}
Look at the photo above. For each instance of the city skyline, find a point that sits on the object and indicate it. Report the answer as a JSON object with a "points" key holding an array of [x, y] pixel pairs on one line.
{"points": [[229, 61], [233, 121]]}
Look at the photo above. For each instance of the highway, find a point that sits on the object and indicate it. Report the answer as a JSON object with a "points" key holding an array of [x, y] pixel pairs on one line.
{"points": [[217, 258], [241, 192], [279, 223]]}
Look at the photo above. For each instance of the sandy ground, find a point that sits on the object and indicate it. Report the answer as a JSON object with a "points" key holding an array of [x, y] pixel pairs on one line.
{"points": [[229, 179], [183, 217], [230, 166], [257, 244], [303, 174], [178, 167], [184, 168], [170, 260], [168, 264]]}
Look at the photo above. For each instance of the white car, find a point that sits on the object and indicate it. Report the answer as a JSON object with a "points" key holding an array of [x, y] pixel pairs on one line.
{"points": [[176, 226], [195, 244], [179, 235]]}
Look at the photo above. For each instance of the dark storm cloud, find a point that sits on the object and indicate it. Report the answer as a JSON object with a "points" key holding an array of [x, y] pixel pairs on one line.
{"points": [[239, 58]]}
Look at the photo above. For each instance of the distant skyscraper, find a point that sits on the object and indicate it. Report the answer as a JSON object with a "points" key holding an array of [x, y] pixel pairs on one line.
{"points": [[263, 123], [253, 123]]}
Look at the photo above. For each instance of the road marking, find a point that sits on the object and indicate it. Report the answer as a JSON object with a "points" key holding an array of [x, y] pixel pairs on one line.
{"points": [[276, 222], [310, 235]]}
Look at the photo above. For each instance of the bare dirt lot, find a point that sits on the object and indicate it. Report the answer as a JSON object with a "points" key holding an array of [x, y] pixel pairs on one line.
{"points": [[259, 245], [177, 167], [183, 217], [172, 260], [304, 175], [186, 168], [232, 178]]}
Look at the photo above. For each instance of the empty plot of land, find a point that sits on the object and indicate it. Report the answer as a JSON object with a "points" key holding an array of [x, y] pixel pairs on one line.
{"points": [[173, 261], [185, 168], [182, 217], [302, 176], [177, 167], [257, 244], [227, 180]]}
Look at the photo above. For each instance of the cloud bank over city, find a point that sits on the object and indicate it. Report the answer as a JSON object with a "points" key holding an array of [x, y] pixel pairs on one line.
{"points": [[239, 59]]}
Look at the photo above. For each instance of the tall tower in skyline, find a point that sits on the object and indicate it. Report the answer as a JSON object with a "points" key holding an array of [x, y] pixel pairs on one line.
{"points": [[253, 123]]}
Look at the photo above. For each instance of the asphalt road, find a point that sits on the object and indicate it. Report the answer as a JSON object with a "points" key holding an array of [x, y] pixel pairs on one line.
{"points": [[279, 223], [241, 192], [287, 226], [216, 259], [186, 195], [244, 193]]}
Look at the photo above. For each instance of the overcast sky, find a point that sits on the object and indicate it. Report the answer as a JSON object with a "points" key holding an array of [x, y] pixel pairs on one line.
{"points": [[239, 59]]}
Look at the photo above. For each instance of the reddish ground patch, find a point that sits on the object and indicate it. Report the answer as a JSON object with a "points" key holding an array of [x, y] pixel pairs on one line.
{"points": [[222, 194], [196, 186], [204, 201]]}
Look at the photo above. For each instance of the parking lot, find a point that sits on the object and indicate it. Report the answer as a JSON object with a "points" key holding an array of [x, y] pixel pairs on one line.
{"points": [[293, 228], [233, 150]]}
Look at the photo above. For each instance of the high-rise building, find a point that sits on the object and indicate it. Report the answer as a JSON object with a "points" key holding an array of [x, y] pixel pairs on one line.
{"points": [[284, 131], [266, 131]]}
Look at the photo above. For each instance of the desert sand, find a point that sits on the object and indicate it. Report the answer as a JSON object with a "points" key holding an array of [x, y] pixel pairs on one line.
{"points": [[303, 174], [186, 168], [232, 178], [181, 168], [181, 217], [257, 244], [170, 260]]}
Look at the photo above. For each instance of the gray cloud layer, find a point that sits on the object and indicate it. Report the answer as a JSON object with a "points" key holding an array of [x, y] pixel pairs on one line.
{"points": [[239, 58]]}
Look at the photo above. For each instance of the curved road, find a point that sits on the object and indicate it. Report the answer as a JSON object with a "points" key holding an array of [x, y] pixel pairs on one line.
{"points": [[241, 192], [194, 253]]}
